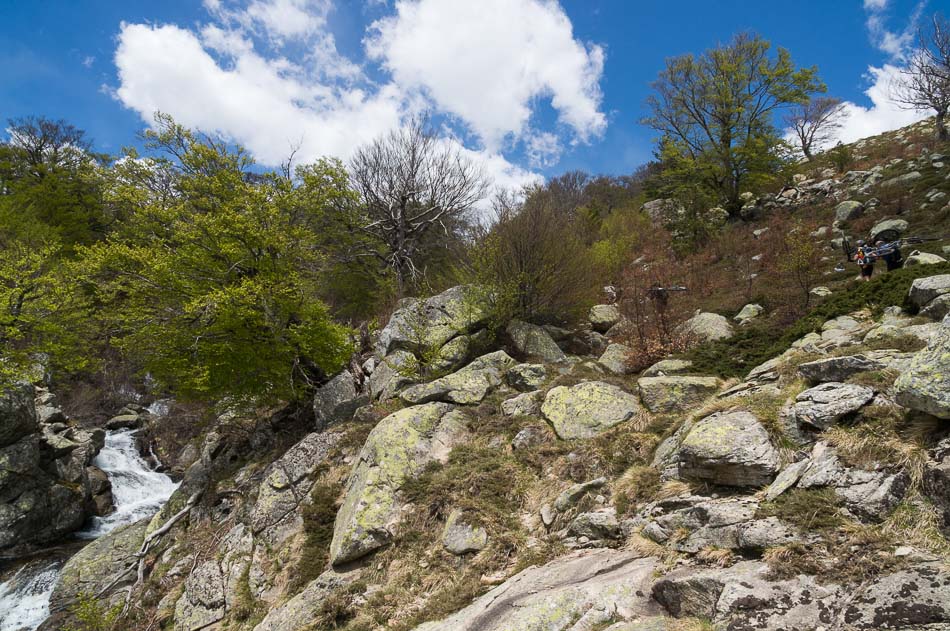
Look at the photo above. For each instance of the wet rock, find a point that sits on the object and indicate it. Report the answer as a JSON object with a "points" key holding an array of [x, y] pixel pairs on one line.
{"points": [[729, 448], [666, 395], [588, 409]]}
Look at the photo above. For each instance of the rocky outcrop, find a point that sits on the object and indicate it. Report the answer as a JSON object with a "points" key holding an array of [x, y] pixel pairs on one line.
{"points": [[396, 450], [838, 368], [17, 414], [527, 404], [667, 395], [925, 386], [531, 340], [587, 409], [299, 612], [822, 406], [467, 386], [924, 290], [420, 325], [603, 317], [729, 448], [578, 591], [336, 400]]}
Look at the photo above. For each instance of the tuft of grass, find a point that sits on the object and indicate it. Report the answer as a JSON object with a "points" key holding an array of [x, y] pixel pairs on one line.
{"points": [[638, 484], [318, 518], [808, 509]]}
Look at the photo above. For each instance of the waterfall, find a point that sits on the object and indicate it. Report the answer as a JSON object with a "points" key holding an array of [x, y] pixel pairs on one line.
{"points": [[137, 492]]}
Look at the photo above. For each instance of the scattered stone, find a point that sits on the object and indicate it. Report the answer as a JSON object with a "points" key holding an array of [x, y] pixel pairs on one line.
{"points": [[588, 409], [459, 537], [668, 367], [925, 386], [571, 495], [527, 404], [749, 313], [849, 210], [824, 405], [923, 258], [596, 525]]}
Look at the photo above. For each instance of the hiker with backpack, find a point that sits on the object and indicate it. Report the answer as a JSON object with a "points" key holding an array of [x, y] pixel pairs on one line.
{"points": [[865, 258]]}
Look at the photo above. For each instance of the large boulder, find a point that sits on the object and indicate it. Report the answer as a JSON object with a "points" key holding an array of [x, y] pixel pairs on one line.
{"points": [[466, 386], [668, 367], [924, 290], [421, 325], [749, 313], [838, 368], [461, 537], [666, 395], [17, 413], [846, 211], [923, 258], [588, 409], [582, 590], [300, 611], [527, 404], [533, 341], [616, 359], [822, 406], [707, 327], [526, 377], [925, 386], [396, 450], [395, 372], [603, 317], [729, 448], [898, 226]]}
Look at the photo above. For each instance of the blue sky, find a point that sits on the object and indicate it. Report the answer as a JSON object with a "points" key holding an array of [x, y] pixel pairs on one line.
{"points": [[528, 87]]}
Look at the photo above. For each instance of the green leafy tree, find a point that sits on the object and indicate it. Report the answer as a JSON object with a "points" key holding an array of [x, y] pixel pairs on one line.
{"points": [[716, 111], [212, 282]]}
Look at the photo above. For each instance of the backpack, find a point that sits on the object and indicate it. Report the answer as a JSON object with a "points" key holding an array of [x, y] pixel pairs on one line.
{"points": [[860, 257]]}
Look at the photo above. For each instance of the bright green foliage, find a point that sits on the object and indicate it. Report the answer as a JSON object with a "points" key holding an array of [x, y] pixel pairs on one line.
{"points": [[92, 615], [212, 282], [715, 114]]}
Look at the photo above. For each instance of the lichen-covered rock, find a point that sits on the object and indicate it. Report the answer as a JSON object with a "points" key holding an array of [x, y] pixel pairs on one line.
{"points": [[898, 226], [616, 359], [17, 414], [925, 386], [838, 368], [923, 258], [707, 327], [527, 404], [749, 313], [915, 598], [466, 386], [276, 513], [419, 325], [396, 450], [846, 211], [668, 367], [936, 479], [460, 537], [729, 448], [666, 395], [525, 377], [336, 400], [603, 317], [570, 496], [396, 371], [300, 611], [533, 341], [595, 525], [587, 409], [822, 406], [92, 569], [577, 591]]}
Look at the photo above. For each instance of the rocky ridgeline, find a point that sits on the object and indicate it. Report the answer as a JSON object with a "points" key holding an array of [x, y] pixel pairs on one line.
{"points": [[48, 484], [718, 538]]}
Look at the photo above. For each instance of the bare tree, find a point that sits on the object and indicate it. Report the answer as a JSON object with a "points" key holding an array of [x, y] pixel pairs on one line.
{"points": [[412, 184], [815, 122], [49, 142], [925, 83]]}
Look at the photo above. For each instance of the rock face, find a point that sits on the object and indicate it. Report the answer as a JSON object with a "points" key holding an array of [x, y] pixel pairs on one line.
{"points": [[533, 341], [394, 372], [396, 450], [925, 386], [423, 324], [707, 327], [48, 486], [587, 409], [603, 317], [467, 386], [729, 448], [300, 611], [578, 591], [666, 395], [336, 400]]}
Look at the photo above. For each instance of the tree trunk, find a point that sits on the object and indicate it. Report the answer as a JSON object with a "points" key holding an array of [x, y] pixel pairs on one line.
{"points": [[940, 121]]}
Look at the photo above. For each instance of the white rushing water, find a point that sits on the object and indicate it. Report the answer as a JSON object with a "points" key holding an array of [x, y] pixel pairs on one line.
{"points": [[137, 492]]}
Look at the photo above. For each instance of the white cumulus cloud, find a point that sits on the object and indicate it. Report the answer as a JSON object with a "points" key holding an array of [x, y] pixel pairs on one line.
{"points": [[487, 61], [267, 74], [883, 114]]}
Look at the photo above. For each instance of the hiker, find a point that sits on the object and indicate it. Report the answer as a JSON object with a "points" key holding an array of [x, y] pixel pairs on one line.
{"points": [[891, 253], [864, 257]]}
